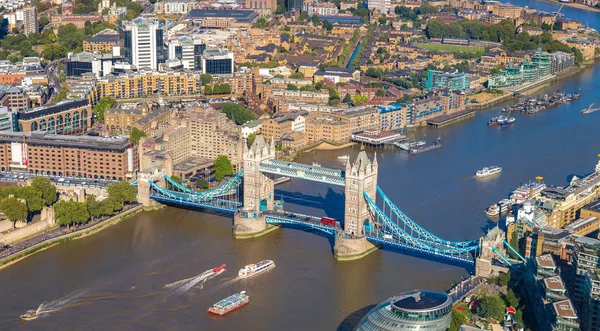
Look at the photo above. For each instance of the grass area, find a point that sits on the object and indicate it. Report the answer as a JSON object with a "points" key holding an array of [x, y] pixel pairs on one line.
{"points": [[452, 48], [484, 96]]}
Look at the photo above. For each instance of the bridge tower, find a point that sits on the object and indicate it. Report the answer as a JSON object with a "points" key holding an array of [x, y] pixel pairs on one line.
{"points": [[493, 240], [361, 176], [259, 191], [259, 188]]}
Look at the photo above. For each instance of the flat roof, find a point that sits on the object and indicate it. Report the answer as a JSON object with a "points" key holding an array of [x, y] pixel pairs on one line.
{"points": [[564, 309], [119, 143], [545, 261], [593, 206], [554, 283], [240, 15], [105, 38]]}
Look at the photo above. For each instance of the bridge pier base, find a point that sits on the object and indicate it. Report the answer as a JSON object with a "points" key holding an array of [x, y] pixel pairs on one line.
{"points": [[352, 248], [250, 224]]}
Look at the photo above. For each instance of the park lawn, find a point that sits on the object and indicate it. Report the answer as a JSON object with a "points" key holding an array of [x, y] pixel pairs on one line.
{"points": [[482, 97], [452, 48]]}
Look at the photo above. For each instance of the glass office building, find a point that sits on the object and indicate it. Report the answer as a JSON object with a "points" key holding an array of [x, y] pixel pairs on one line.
{"points": [[414, 310], [217, 61]]}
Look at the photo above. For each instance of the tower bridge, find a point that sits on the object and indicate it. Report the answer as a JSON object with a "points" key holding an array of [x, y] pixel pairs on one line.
{"points": [[367, 225]]}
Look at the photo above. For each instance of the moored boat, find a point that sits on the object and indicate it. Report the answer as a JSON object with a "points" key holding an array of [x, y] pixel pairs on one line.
{"points": [[343, 157], [253, 269], [229, 304]]}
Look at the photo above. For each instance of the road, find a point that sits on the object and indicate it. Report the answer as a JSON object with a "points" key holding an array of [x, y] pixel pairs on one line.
{"points": [[53, 78], [58, 180]]}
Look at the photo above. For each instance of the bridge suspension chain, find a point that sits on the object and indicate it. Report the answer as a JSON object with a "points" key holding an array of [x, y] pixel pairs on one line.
{"points": [[421, 232]]}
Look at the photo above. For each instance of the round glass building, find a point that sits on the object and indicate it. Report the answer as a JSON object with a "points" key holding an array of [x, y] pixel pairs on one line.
{"points": [[414, 310]]}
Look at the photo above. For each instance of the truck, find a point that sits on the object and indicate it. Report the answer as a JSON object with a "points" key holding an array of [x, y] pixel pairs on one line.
{"points": [[328, 221]]}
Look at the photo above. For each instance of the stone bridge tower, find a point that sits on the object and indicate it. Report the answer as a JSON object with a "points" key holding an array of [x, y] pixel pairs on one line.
{"points": [[360, 176], [484, 267], [258, 187]]}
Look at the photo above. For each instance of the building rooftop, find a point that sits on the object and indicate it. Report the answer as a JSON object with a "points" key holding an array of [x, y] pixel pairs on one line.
{"points": [[87, 142], [420, 300], [545, 261], [240, 15], [593, 206], [105, 37], [554, 283], [191, 163], [564, 309], [580, 223]]}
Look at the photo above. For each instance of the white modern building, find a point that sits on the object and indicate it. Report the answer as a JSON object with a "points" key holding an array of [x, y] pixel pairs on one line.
{"points": [[383, 6], [188, 50], [143, 43], [217, 61]]}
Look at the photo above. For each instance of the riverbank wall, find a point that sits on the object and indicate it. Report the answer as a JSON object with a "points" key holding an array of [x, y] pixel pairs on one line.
{"points": [[14, 258]]}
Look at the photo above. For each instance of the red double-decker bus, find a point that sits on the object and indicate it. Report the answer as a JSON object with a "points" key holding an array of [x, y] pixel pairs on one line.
{"points": [[328, 221]]}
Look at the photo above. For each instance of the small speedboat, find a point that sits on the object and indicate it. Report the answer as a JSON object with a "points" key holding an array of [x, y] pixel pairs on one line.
{"points": [[343, 157], [30, 315], [218, 269]]}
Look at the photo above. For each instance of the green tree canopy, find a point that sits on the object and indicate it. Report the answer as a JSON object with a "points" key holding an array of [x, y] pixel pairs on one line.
{"points": [[202, 184], [297, 75], [100, 108], [45, 186], [237, 113], [93, 206], [124, 192], [291, 87], [110, 205], [206, 79], [62, 93], [135, 135], [251, 138], [69, 213], [491, 307], [13, 209], [223, 167]]}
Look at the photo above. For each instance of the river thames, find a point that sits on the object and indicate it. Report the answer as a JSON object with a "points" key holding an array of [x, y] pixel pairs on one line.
{"points": [[142, 273]]}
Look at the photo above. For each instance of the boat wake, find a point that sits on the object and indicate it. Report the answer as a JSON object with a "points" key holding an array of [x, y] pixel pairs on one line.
{"points": [[182, 286], [46, 308]]}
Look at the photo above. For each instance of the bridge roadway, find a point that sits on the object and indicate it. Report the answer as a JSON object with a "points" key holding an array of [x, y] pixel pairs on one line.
{"points": [[281, 217], [297, 170]]}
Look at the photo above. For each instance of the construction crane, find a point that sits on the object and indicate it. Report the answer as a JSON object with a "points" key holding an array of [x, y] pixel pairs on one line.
{"points": [[556, 16]]}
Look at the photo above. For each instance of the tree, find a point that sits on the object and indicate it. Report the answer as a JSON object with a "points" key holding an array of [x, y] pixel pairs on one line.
{"points": [[62, 77], [69, 213], [291, 87], [347, 98], [262, 23], [136, 134], [100, 108], [328, 26], [13, 209], [511, 299], [251, 138], [315, 20], [380, 93], [33, 198], [110, 205], [45, 186], [93, 206], [237, 113], [62, 93], [124, 192], [308, 88], [503, 279], [297, 75], [202, 184], [43, 21], [176, 179], [223, 167], [52, 52], [491, 307], [208, 90], [206, 79], [458, 319], [382, 20]]}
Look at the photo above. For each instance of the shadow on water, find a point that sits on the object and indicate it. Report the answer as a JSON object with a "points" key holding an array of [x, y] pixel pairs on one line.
{"points": [[198, 209], [332, 203], [429, 257], [351, 320]]}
